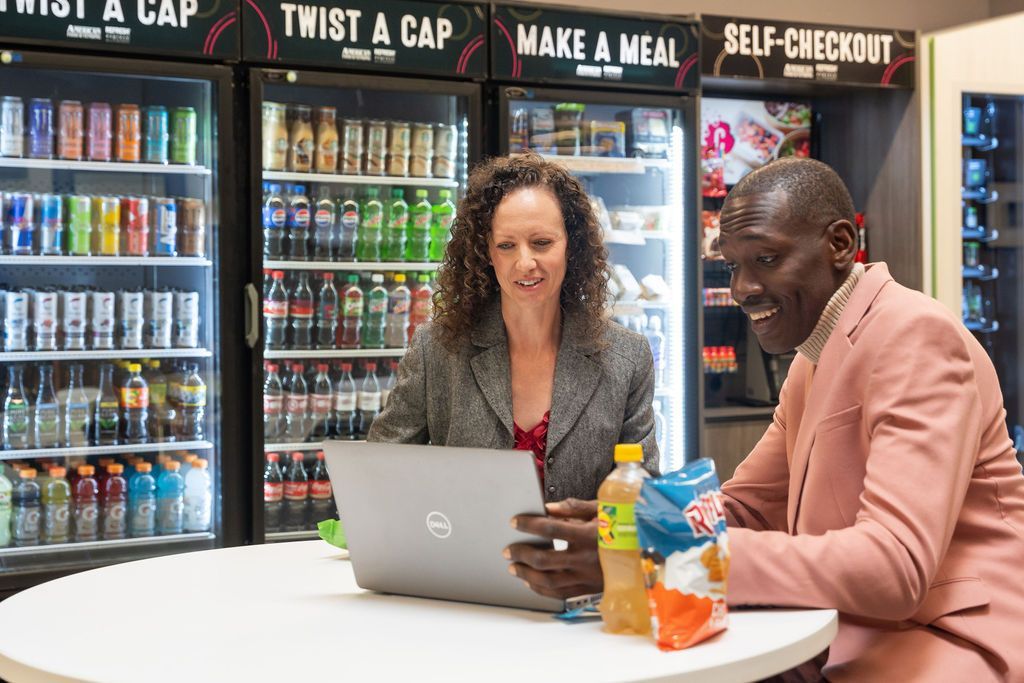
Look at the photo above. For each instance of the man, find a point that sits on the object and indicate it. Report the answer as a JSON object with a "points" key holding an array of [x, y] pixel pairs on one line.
{"points": [[886, 486]]}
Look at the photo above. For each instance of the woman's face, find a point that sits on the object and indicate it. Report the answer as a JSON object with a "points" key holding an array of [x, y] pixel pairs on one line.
{"points": [[527, 246]]}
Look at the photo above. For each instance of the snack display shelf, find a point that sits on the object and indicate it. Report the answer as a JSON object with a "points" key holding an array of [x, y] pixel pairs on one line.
{"points": [[86, 451], [97, 545], [103, 166], [375, 266], [104, 354], [153, 261], [335, 353], [400, 181]]}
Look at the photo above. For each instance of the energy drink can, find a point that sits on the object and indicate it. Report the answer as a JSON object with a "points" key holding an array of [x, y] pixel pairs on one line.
{"points": [[130, 319], [129, 133], [79, 225], [51, 224], [70, 130], [101, 128], [157, 309], [15, 321], [20, 223], [135, 225], [156, 135], [44, 319], [107, 216], [101, 319], [164, 231], [186, 320], [40, 128], [73, 314], [12, 127], [183, 136]]}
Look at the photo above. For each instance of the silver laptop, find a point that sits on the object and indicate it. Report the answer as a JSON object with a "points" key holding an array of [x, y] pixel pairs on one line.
{"points": [[431, 521]]}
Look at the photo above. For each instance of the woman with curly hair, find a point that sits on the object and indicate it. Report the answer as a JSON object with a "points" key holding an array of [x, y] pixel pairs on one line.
{"points": [[521, 354]]}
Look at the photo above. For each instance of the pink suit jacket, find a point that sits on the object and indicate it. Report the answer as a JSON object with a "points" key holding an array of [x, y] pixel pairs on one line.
{"points": [[887, 488]]}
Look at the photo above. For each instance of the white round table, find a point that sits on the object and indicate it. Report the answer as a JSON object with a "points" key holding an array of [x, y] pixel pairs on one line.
{"points": [[292, 612]]}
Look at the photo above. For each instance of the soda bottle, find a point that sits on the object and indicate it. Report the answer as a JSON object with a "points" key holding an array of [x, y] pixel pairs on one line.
{"points": [[142, 502], [135, 404], [198, 496], [369, 400], [320, 491], [273, 405], [56, 507], [298, 224], [47, 411], [300, 309], [114, 503], [297, 405], [351, 314], [25, 509], [86, 505], [296, 494], [376, 314], [170, 500], [657, 341], [387, 383], [106, 420], [327, 314], [396, 333], [395, 224], [441, 225], [16, 411], [6, 488], [275, 313], [192, 406], [348, 226], [274, 218], [268, 280], [624, 607], [418, 237], [419, 308], [320, 404], [369, 237], [323, 226], [273, 493], [346, 414], [76, 410]]}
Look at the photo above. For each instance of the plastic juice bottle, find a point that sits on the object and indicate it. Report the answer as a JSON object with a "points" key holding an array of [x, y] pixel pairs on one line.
{"points": [[25, 522], [86, 505], [351, 314], [624, 606], [395, 222], [56, 507], [418, 235], [170, 500], [198, 496], [115, 503], [369, 236], [142, 502], [441, 225], [376, 314]]}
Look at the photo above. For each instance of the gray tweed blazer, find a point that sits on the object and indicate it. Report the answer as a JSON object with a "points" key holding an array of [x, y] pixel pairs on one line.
{"points": [[602, 396]]}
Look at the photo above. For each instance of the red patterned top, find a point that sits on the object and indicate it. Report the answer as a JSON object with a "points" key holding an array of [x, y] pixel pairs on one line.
{"points": [[535, 440]]}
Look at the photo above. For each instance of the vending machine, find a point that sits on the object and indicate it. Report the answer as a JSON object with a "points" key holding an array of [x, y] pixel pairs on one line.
{"points": [[362, 132], [114, 442], [615, 106]]}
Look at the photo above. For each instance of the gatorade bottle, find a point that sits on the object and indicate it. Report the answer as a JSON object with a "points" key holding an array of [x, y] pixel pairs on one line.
{"points": [[395, 225], [115, 504], [56, 507], [6, 488], [198, 496], [25, 523], [348, 226], [86, 505], [170, 500], [417, 246], [441, 225], [376, 314], [369, 236], [624, 607], [351, 314], [142, 502], [419, 308], [396, 334]]}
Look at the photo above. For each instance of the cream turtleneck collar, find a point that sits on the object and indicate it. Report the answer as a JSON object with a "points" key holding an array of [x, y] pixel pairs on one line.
{"points": [[813, 345]]}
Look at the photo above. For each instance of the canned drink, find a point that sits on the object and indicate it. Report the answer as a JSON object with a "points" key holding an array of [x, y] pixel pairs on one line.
{"points": [[186, 320], [73, 315], [352, 146], [446, 150], [135, 225], [12, 127], [44, 319], [100, 133], [70, 133], [20, 223], [398, 149], [15, 321], [164, 230], [107, 221], [183, 136], [130, 319], [101, 319], [40, 128], [157, 309], [376, 147], [422, 155], [191, 227], [51, 224], [156, 135], [79, 225], [129, 133]]}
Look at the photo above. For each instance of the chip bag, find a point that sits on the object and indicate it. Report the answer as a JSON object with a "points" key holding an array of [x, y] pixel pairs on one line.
{"points": [[685, 554]]}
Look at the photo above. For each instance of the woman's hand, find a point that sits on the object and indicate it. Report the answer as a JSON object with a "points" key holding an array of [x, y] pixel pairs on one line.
{"points": [[559, 573]]}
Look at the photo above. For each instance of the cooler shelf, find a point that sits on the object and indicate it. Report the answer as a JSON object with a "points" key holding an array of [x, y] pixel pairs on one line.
{"points": [[306, 535], [595, 165], [105, 166], [97, 545], [105, 354], [158, 261], [86, 451], [335, 353], [300, 445], [288, 177], [375, 266]]}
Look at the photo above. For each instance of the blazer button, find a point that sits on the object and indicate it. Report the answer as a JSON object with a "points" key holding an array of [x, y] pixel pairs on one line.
{"points": [[551, 461], [551, 489]]}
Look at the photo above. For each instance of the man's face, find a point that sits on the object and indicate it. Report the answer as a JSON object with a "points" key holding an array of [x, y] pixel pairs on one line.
{"points": [[783, 273]]}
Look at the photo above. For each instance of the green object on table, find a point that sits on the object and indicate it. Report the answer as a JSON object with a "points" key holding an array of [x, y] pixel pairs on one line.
{"points": [[332, 532]]}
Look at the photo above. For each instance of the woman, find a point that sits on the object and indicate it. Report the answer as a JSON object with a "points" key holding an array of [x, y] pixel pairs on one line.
{"points": [[520, 352]]}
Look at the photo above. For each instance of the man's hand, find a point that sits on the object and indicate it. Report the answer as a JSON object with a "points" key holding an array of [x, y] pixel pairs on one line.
{"points": [[559, 573]]}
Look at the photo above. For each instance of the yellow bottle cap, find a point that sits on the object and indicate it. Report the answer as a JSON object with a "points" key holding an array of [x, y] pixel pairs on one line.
{"points": [[134, 367], [629, 452]]}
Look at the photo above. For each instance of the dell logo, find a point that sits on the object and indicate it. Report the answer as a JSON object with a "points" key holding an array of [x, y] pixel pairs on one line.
{"points": [[438, 525]]}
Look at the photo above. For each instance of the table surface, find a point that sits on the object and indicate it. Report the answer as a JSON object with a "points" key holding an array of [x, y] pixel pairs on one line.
{"points": [[292, 611]]}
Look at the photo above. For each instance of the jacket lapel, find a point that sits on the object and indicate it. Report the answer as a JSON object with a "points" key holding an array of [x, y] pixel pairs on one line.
{"points": [[576, 379], [491, 365]]}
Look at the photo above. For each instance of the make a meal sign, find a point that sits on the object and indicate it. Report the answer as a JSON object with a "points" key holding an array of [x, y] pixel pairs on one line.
{"points": [[203, 29], [397, 35], [753, 48], [536, 45]]}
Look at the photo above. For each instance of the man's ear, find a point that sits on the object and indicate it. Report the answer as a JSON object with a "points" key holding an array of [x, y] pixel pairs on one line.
{"points": [[842, 242]]}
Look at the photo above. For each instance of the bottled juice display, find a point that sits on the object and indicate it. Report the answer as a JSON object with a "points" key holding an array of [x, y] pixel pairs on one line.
{"points": [[624, 607], [56, 507]]}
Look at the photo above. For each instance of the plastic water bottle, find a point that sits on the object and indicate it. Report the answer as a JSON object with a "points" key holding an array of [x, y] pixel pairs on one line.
{"points": [[396, 221], [323, 225], [657, 341], [369, 236], [297, 405], [296, 494], [198, 496], [320, 491], [273, 405], [300, 312], [376, 314], [170, 500], [660, 432], [76, 410], [420, 306], [86, 505], [273, 493], [369, 400], [351, 314], [275, 313], [418, 235], [441, 225], [142, 502], [25, 508], [47, 411], [135, 404], [327, 314], [6, 489], [107, 417], [348, 226], [192, 406], [16, 411], [320, 405], [346, 405], [274, 218], [56, 507], [298, 224], [396, 334], [114, 492]]}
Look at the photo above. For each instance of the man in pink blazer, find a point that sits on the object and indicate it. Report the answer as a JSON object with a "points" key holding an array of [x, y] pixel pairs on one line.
{"points": [[887, 486]]}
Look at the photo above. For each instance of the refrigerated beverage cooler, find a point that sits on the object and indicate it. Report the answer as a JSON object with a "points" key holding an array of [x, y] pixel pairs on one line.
{"points": [[112, 199]]}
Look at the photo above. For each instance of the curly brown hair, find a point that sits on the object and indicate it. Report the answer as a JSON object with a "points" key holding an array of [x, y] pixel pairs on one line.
{"points": [[466, 283]]}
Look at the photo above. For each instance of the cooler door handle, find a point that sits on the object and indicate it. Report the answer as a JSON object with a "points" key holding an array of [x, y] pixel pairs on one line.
{"points": [[252, 315]]}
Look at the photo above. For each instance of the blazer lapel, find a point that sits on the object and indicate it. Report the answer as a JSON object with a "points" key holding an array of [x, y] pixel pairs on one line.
{"points": [[576, 380], [491, 366]]}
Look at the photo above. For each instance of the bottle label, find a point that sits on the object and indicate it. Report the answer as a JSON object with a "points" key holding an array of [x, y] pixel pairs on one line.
{"points": [[373, 220], [322, 218], [320, 489], [114, 518], [301, 308], [76, 417], [377, 306], [398, 220], [56, 520], [296, 490], [297, 403], [321, 403], [300, 218], [108, 415], [273, 491], [197, 513], [87, 519], [616, 526], [16, 418], [353, 307], [134, 397], [143, 516], [345, 402], [327, 312], [443, 221], [273, 218], [421, 220], [369, 400], [169, 510], [157, 394], [47, 418], [272, 404], [193, 396], [26, 523], [398, 306], [275, 309], [350, 220]]}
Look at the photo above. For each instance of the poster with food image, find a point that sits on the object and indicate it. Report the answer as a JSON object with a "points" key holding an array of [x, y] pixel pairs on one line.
{"points": [[738, 136]]}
